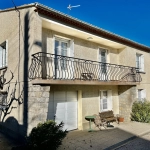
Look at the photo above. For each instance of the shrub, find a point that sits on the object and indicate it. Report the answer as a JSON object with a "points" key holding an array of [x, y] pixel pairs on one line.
{"points": [[46, 136], [141, 111]]}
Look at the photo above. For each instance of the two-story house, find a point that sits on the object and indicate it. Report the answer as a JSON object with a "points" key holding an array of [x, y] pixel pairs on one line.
{"points": [[65, 69]]}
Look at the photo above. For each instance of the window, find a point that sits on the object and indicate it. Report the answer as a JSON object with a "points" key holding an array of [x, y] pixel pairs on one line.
{"points": [[103, 59], [141, 94], [105, 100], [61, 48], [140, 62], [3, 55]]}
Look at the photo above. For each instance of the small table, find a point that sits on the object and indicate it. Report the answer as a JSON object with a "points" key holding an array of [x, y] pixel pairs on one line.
{"points": [[87, 76], [90, 118]]}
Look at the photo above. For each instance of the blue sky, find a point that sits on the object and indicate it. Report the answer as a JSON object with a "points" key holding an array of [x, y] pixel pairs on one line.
{"points": [[128, 18]]}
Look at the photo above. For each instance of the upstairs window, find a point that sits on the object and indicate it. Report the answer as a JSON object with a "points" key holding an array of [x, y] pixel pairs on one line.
{"points": [[103, 59], [3, 54], [140, 62], [61, 48], [64, 47]]}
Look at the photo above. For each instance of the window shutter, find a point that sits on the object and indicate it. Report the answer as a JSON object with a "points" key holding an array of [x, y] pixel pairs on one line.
{"points": [[137, 93], [109, 99], [100, 97], [142, 63], [1, 56], [4, 58], [54, 44], [71, 48]]}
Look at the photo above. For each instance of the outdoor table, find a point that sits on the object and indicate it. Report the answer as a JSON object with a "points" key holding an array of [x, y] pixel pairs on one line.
{"points": [[90, 118]]}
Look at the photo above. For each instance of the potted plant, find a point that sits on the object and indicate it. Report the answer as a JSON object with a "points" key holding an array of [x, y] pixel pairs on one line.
{"points": [[120, 118]]}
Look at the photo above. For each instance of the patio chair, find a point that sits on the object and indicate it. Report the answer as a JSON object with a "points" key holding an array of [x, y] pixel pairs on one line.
{"points": [[98, 122]]}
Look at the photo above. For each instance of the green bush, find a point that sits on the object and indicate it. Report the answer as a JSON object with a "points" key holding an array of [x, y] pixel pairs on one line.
{"points": [[46, 136], [141, 111]]}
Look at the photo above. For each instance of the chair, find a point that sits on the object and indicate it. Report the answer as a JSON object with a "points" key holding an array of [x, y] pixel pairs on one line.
{"points": [[108, 116], [98, 122]]}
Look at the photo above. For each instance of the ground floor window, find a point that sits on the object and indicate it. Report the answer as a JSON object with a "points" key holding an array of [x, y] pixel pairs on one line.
{"points": [[105, 100], [141, 94]]}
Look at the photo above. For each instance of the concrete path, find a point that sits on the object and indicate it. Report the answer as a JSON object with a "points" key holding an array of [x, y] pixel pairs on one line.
{"points": [[106, 139]]}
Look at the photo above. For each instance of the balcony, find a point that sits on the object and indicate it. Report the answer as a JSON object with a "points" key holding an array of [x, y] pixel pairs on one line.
{"points": [[49, 68]]}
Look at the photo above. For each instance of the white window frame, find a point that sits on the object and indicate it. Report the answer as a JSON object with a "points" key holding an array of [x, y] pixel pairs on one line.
{"points": [[70, 47], [4, 52], [62, 62], [142, 93], [140, 62], [100, 49], [109, 100]]}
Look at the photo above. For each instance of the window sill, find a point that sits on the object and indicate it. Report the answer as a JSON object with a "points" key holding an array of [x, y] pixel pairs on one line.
{"points": [[2, 68], [142, 72]]}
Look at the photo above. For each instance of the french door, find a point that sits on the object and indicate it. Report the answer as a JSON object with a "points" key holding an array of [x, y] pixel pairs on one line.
{"points": [[61, 62], [103, 65]]}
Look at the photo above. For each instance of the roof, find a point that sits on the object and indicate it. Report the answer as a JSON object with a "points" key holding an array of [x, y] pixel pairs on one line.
{"points": [[81, 25]]}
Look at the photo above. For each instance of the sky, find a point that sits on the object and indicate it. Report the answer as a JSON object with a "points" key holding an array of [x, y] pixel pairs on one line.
{"points": [[127, 18]]}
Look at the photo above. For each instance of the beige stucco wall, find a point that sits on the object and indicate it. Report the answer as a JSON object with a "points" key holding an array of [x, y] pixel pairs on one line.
{"points": [[24, 38], [83, 49], [127, 57], [90, 99], [34, 38]]}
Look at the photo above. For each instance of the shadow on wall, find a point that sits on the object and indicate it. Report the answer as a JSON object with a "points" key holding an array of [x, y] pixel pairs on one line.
{"points": [[27, 51], [25, 75], [122, 89]]}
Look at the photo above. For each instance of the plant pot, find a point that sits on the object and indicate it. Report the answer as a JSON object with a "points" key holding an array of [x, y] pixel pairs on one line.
{"points": [[121, 119]]}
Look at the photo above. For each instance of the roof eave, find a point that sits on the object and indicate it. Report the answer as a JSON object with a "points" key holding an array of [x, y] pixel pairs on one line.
{"points": [[88, 27]]}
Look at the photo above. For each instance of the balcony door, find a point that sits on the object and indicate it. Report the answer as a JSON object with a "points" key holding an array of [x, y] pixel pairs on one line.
{"points": [[63, 64], [103, 65]]}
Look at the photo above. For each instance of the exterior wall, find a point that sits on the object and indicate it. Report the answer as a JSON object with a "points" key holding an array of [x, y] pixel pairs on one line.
{"points": [[83, 49], [24, 38], [127, 57], [89, 102], [127, 95], [38, 105]]}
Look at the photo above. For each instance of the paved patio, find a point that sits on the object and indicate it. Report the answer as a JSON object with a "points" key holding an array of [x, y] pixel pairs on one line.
{"points": [[111, 138], [107, 139]]}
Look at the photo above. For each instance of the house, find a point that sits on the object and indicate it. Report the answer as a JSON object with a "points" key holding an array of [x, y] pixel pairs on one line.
{"points": [[54, 66]]}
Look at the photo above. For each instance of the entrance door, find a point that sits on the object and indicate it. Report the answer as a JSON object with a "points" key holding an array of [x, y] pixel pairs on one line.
{"points": [[105, 100], [103, 65], [63, 107]]}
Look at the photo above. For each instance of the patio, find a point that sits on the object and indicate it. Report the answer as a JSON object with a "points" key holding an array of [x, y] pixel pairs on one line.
{"points": [[110, 138]]}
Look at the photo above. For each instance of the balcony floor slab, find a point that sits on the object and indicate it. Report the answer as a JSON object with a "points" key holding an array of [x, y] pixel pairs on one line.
{"points": [[80, 82]]}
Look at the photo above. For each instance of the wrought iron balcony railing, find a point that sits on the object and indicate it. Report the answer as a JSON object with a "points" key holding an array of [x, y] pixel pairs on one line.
{"points": [[51, 66]]}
